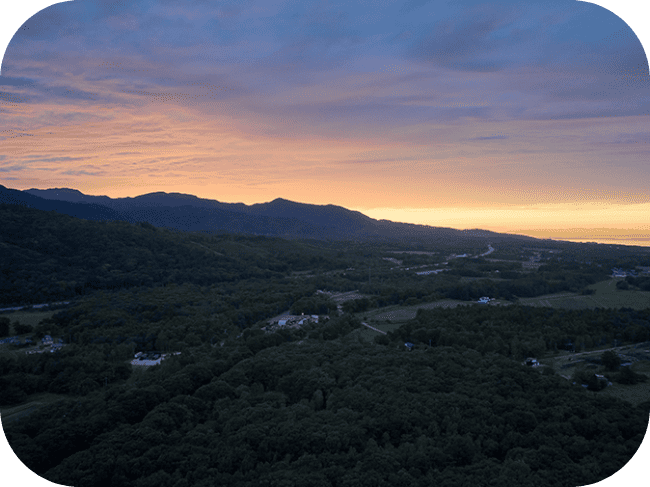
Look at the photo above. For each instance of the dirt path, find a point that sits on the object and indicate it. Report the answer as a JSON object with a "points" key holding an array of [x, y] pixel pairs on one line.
{"points": [[373, 328], [208, 249], [20, 411], [14, 413]]}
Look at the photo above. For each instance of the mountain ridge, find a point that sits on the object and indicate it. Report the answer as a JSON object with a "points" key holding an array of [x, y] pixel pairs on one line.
{"points": [[279, 217]]}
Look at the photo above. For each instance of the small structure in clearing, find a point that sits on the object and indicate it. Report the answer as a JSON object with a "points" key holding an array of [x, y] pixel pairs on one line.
{"points": [[150, 358], [531, 362]]}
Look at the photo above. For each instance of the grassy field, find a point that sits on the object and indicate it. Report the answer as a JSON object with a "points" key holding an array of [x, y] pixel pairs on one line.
{"points": [[25, 318], [365, 333], [606, 296], [405, 313], [635, 394], [41, 399], [34, 402], [32, 318], [465, 279]]}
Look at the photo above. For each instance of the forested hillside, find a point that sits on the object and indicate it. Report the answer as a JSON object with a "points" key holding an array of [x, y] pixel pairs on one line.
{"points": [[48, 256], [237, 403], [332, 413]]}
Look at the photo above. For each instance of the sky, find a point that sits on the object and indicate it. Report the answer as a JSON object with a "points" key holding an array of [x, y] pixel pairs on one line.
{"points": [[514, 116]]}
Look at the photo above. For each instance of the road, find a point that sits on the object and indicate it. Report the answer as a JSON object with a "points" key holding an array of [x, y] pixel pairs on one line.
{"points": [[208, 249], [374, 329], [490, 250], [35, 306], [600, 351]]}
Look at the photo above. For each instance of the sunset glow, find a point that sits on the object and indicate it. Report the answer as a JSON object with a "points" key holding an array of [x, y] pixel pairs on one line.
{"points": [[512, 117]]}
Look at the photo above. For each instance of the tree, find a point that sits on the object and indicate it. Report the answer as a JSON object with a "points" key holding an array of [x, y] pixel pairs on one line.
{"points": [[22, 329], [611, 360], [4, 326], [595, 383], [628, 376], [382, 340]]}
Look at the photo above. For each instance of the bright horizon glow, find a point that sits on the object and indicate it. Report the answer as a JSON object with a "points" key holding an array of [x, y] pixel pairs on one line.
{"points": [[579, 222], [632, 227], [512, 117]]}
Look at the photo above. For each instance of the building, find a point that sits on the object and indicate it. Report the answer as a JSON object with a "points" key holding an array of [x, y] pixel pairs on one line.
{"points": [[434, 271], [47, 340], [532, 362], [150, 358], [484, 300]]}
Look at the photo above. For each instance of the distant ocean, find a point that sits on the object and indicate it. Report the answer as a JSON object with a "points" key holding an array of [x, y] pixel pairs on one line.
{"points": [[636, 241]]}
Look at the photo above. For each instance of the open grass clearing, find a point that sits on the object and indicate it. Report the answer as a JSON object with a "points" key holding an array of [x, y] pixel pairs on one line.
{"points": [[464, 279], [7, 350], [635, 394], [605, 296], [405, 313], [365, 334], [34, 402], [31, 318]]}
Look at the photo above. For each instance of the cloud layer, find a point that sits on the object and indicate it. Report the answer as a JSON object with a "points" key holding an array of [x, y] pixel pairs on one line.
{"points": [[368, 104]]}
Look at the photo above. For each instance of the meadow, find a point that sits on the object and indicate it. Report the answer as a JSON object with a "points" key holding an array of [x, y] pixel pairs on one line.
{"points": [[10, 414]]}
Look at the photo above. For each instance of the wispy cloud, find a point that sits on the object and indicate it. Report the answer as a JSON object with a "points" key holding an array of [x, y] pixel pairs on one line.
{"points": [[15, 167], [81, 172], [473, 101], [35, 158], [491, 137]]}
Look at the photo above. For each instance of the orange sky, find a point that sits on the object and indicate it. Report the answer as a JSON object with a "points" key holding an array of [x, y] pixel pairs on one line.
{"points": [[535, 123]]}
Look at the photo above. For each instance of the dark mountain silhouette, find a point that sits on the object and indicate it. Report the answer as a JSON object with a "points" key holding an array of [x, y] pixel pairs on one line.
{"points": [[87, 211], [279, 217], [70, 195]]}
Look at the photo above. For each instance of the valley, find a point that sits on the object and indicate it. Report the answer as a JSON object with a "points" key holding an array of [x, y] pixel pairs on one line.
{"points": [[286, 352]]}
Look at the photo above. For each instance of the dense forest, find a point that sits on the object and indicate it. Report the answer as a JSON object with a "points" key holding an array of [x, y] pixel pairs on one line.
{"points": [[314, 405], [48, 257], [332, 412]]}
